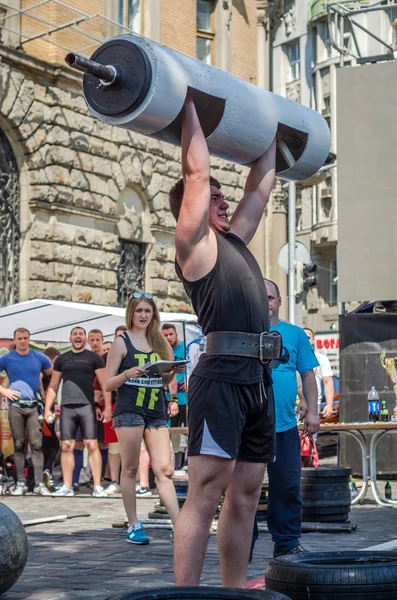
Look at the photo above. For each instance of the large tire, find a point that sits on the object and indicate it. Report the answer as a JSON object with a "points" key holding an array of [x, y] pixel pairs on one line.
{"points": [[314, 502], [335, 576], [13, 548], [198, 593], [337, 518], [326, 510], [326, 472], [308, 488]]}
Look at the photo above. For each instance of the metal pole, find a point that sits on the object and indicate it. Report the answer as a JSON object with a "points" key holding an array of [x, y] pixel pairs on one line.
{"points": [[291, 250]]}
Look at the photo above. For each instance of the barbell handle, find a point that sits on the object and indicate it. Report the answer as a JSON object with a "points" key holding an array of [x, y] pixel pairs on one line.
{"points": [[107, 74]]}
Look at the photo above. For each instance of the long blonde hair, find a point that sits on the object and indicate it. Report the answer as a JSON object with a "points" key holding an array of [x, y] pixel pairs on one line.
{"points": [[154, 336]]}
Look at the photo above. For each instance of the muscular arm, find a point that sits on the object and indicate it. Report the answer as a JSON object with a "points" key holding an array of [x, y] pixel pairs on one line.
{"points": [[257, 192], [192, 230], [107, 396], [310, 393], [329, 392], [52, 390]]}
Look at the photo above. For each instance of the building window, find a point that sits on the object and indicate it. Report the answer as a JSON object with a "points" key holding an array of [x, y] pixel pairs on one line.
{"points": [[205, 31], [333, 283], [130, 14], [131, 271], [293, 53]]}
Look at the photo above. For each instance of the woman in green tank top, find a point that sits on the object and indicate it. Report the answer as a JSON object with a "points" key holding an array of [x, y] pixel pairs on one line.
{"points": [[140, 407]]}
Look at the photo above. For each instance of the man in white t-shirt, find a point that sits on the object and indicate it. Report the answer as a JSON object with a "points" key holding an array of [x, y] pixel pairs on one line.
{"points": [[323, 374]]}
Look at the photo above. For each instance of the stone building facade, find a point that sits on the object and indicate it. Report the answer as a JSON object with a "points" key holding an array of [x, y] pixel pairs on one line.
{"points": [[92, 211]]}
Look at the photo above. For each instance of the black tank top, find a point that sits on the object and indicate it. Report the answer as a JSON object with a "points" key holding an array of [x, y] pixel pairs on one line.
{"points": [[232, 297], [145, 395]]}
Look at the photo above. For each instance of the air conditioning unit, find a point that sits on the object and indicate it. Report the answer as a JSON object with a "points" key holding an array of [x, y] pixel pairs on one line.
{"points": [[326, 192]]}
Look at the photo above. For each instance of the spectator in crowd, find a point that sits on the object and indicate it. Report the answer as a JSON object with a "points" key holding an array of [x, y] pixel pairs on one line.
{"points": [[50, 443], [77, 369], [323, 375], [24, 368], [179, 394], [140, 407], [284, 509], [114, 457]]}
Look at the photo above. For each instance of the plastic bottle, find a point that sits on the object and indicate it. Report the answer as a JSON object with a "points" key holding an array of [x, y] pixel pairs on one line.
{"points": [[388, 490], [373, 404], [384, 411], [353, 489]]}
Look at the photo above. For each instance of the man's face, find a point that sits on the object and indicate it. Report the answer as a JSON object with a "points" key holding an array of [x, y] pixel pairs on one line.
{"points": [[106, 346], [310, 336], [78, 338], [171, 336], [274, 300], [95, 341], [21, 340], [218, 219]]}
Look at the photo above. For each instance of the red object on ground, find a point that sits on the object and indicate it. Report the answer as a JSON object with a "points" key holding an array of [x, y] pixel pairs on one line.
{"points": [[256, 583]]}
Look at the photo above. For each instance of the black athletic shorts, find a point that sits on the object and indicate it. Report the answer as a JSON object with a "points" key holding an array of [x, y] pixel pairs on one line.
{"points": [[231, 420], [78, 416]]}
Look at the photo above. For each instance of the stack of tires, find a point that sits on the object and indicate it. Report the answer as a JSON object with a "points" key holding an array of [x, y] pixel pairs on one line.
{"points": [[326, 495], [261, 513]]}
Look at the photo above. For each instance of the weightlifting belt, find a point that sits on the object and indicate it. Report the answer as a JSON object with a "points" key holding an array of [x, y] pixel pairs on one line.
{"points": [[264, 346]]}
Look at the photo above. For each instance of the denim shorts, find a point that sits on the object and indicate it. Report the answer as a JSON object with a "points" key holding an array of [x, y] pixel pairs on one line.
{"points": [[137, 420]]}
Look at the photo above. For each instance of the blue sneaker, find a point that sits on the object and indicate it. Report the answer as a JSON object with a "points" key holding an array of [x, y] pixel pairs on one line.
{"points": [[136, 535]]}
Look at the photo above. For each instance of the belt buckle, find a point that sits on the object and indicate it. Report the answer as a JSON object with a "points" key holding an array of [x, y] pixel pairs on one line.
{"points": [[263, 360]]}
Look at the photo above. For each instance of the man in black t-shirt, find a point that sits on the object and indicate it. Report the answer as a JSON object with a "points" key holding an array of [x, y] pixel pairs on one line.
{"points": [[77, 368]]}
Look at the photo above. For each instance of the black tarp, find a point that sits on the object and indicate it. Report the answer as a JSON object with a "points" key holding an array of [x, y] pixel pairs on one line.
{"points": [[363, 338]]}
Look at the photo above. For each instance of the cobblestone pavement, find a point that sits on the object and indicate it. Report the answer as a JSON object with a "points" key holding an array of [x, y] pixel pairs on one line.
{"points": [[86, 558]]}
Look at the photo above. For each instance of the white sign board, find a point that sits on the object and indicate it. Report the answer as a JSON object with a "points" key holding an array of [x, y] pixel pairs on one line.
{"points": [[328, 343]]}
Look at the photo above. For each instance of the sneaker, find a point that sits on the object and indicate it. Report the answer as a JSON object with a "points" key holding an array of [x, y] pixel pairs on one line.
{"points": [[21, 489], [113, 488], [136, 535], [64, 491], [144, 492], [48, 481], [41, 490], [98, 492], [76, 488], [295, 550]]}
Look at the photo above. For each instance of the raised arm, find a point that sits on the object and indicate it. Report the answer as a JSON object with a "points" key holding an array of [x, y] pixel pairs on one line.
{"points": [[257, 192], [192, 226]]}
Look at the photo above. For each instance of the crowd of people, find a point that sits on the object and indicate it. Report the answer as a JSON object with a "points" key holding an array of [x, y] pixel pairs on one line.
{"points": [[58, 405]]}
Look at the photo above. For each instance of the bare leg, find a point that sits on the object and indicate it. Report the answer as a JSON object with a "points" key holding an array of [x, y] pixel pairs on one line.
{"points": [[95, 460], [67, 461], [130, 439], [114, 463], [158, 445], [143, 471], [209, 477], [236, 522]]}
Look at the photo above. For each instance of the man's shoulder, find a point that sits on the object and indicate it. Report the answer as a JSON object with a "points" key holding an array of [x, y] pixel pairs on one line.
{"points": [[286, 327]]}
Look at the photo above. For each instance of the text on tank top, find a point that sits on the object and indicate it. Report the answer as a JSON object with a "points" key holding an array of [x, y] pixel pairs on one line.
{"points": [[142, 395], [231, 297]]}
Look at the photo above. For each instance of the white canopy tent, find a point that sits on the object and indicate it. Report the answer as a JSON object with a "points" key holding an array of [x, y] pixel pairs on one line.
{"points": [[52, 320]]}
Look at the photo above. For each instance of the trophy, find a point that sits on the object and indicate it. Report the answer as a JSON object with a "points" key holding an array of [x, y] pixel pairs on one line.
{"points": [[390, 365]]}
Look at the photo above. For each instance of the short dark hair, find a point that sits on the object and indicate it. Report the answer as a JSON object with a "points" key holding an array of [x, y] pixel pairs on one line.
{"points": [[78, 327], [96, 331], [308, 329], [120, 328], [168, 326], [175, 195], [21, 330], [51, 352], [275, 286]]}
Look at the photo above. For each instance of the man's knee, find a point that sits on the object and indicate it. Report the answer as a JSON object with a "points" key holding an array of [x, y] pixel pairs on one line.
{"points": [[91, 445], [36, 443], [67, 446], [19, 445]]}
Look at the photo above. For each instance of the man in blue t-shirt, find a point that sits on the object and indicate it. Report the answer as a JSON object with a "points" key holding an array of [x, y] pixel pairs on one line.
{"points": [[24, 367], [180, 419], [284, 509]]}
